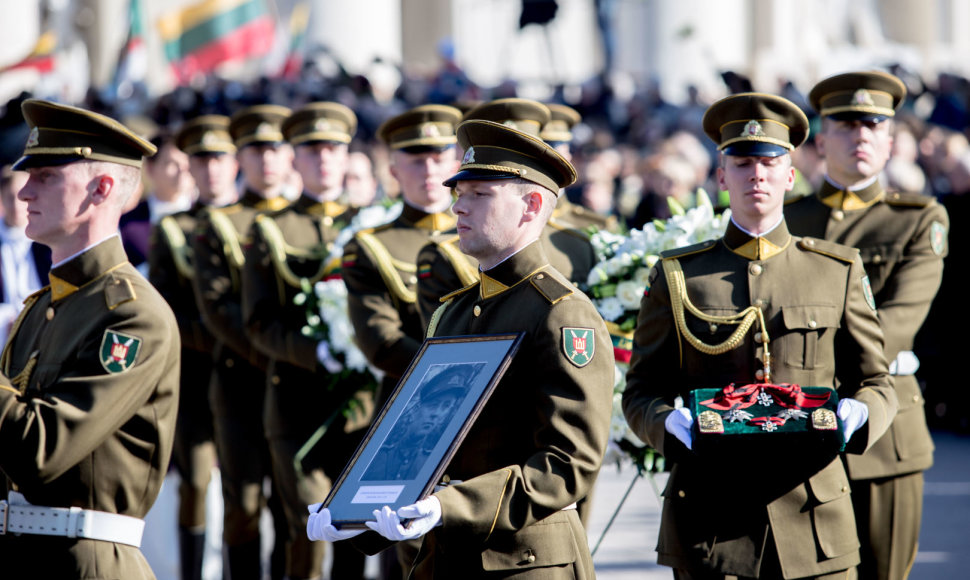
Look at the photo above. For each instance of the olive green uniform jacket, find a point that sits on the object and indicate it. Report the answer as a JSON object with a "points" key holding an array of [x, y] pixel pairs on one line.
{"points": [[78, 428], [170, 270], [379, 268], [719, 511], [443, 268], [902, 241]]}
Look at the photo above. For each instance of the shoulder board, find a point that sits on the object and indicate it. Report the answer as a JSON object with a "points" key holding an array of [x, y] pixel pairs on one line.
{"points": [[798, 197], [117, 291], [551, 288], [688, 250], [903, 199], [458, 292], [830, 249], [568, 229]]}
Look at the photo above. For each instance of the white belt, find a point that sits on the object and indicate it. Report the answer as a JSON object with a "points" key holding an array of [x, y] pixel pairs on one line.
{"points": [[905, 363], [17, 516]]}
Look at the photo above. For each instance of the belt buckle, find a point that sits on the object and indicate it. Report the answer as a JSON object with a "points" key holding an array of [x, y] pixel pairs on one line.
{"points": [[4, 513]]}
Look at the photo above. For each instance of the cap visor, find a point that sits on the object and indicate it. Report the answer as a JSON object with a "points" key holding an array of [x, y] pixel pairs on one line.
{"points": [[477, 175], [858, 116], [31, 161], [418, 149], [754, 149]]}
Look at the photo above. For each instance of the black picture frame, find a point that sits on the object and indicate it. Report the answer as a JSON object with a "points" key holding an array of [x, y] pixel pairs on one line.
{"points": [[417, 432]]}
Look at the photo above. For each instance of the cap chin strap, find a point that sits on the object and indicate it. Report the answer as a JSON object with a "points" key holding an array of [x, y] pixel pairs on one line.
{"points": [[745, 319]]}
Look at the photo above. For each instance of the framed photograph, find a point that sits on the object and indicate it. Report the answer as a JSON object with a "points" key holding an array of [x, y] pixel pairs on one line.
{"points": [[412, 440]]}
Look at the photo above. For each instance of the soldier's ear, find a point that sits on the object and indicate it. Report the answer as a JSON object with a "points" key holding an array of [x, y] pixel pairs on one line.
{"points": [[101, 188], [533, 204]]}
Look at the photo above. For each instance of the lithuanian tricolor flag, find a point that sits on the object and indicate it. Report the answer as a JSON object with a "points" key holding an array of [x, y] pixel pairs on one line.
{"points": [[41, 58], [203, 35]]}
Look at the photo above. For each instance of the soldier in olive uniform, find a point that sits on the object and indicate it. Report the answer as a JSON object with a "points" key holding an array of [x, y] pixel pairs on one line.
{"points": [[238, 387], [89, 383], [171, 269], [380, 264], [558, 133], [757, 306], [538, 443], [290, 247], [902, 239], [443, 268]]}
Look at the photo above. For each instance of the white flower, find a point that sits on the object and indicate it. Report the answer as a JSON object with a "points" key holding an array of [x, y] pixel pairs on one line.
{"points": [[629, 294], [642, 275], [610, 308]]}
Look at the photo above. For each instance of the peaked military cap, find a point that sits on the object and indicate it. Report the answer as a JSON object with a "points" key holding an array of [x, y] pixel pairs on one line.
{"points": [[61, 134], [494, 151], [755, 124], [559, 128], [323, 121], [258, 124], [427, 127], [863, 96], [205, 134], [525, 115]]}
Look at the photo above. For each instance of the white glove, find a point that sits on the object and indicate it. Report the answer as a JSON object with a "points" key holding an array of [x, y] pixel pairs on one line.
{"points": [[424, 515], [318, 527], [854, 415], [332, 365], [679, 423]]}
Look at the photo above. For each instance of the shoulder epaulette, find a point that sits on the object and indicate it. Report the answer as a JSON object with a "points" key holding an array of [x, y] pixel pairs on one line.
{"points": [[386, 265], [117, 291], [551, 288], [175, 238], [553, 223], [830, 249], [903, 199], [467, 273], [688, 250], [279, 250]]}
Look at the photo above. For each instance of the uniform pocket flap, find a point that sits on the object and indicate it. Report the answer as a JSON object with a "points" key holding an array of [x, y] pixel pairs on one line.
{"points": [[538, 545], [811, 317], [830, 483]]}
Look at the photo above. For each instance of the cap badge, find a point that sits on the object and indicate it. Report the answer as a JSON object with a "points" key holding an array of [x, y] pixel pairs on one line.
{"points": [[322, 125], [469, 156], [34, 138], [862, 97], [209, 138], [753, 129], [265, 129], [430, 130], [510, 123]]}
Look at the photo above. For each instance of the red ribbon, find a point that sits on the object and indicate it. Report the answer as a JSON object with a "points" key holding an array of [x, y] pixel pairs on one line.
{"points": [[786, 395]]}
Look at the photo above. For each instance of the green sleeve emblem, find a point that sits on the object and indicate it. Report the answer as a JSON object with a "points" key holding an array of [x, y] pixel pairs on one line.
{"points": [[867, 290], [118, 351], [578, 345]]}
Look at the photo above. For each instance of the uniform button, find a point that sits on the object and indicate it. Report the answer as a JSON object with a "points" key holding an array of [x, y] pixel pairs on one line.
{"points": [[845, 488], [50, 313], [761, 303], [916, 398], [758, 336], [413, 280], [477, 310], [713, 328], [877, 259], [810, 243], [275, 379], [327, 221], [530, 557], [540, 276], [812, 324], [230, 363], [756, 269], [838, 215], [681, 493], [446, 478], [759, 374]]}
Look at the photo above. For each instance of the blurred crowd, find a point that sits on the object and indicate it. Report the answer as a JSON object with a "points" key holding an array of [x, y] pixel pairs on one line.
{"points": [[633, 150]]}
